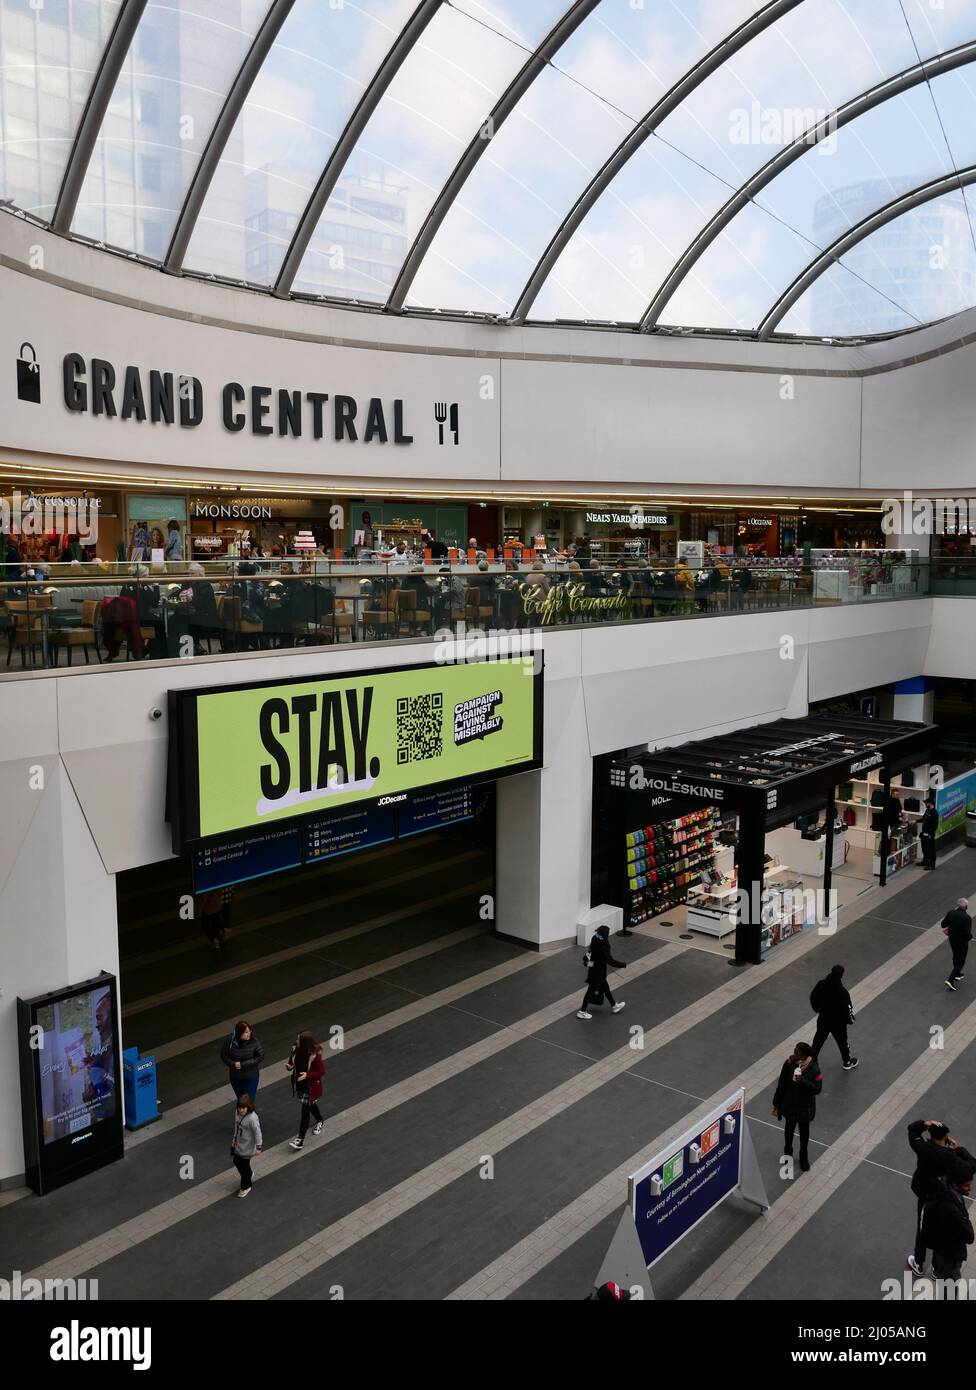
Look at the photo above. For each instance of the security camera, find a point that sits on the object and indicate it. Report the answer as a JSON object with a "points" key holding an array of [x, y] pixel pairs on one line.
{"points": [[155, 712]]}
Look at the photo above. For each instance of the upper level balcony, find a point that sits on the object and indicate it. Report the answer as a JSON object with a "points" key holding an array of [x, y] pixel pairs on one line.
{"points": [[59, 615]]}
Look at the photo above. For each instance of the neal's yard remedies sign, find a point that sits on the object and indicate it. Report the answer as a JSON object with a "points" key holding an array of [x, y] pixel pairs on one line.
{"points": [[251, 755]]}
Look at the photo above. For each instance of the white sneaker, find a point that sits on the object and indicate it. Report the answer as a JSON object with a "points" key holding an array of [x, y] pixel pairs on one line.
{"points": [[296, 1143], [914, 1265], [244, 1192], [617, 1007], [319, 1127], [580, 1013]]}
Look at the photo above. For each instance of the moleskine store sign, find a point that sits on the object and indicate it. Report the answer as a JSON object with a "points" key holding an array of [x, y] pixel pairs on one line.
{"points": [[259, 755]]}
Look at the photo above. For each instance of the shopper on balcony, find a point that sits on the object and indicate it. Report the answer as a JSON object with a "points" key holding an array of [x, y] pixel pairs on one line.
{"points": [[795, 1098], [835, 1013]]}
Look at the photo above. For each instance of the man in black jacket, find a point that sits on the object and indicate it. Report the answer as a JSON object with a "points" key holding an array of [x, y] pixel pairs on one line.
{"points": [[927, 831], [948, 1227], [937, 1157], [596, 976], [795, 1098], [834, 1013], [958, 927]]}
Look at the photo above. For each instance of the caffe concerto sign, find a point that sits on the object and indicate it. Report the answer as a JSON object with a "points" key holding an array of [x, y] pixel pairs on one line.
{"points": [[95, 387], [567, 598]]}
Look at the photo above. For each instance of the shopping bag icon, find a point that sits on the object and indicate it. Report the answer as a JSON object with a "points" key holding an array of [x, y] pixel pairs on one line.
{"points": [[28, 375]]}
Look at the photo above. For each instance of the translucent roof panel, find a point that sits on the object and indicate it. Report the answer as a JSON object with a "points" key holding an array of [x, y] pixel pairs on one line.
{"points": [[309, 85], [49, 55], [178, 71], [954, 95], [917, 269], [433, 108], [816, 57], [631, 238], [602, 81], [743, 271], [525, 24], [938, 25]]}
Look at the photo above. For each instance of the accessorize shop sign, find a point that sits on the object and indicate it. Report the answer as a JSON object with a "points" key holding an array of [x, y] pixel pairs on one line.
{"points": [[258, 754]]}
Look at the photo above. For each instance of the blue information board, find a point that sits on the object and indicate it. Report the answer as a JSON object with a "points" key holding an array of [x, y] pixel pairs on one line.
{"points": [[684, 1182], [437, 809], [332, 835], [245, 857]]}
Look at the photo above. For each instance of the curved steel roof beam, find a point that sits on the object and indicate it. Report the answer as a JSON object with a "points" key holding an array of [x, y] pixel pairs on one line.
{"points": [[867, 101], [347, 141], [229, 112], [502, 109], [658, 113], [946, 183], [94, 113]]}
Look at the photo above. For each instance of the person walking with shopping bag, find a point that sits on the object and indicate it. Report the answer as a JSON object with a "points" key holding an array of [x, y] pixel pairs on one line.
{"points": [[795, 1098], [598, 961], [307, 1070], [958, 927], [835, 1014], [247, 1141]]}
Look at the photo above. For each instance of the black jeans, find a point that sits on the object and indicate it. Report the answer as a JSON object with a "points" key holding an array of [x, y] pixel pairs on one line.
{"points": [[594, 989], [243, 1166], [920, 1247], [804, 1128], [959, 954], [307, 1110], [839, 1035], [928, 849]]}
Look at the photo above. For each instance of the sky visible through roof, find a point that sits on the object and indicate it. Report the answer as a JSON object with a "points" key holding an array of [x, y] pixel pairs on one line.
{"points": [[360, 111]]}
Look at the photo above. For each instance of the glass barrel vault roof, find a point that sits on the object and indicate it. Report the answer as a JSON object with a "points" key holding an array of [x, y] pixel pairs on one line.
{"points": [[795, 166]]}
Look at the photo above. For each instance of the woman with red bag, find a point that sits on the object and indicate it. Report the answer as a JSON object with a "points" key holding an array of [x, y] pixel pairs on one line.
{"points": [[307, 1070]]}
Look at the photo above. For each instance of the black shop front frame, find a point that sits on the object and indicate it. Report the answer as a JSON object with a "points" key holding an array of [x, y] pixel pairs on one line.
{"points": [[767, 775]]}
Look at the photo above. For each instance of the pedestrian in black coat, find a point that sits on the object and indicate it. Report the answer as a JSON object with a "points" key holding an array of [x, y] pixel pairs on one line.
{"points": [[795, 1098], [600, 960], [958, 927], [927, 830], [947, 1224], [835, 1013], [937, 1158]]}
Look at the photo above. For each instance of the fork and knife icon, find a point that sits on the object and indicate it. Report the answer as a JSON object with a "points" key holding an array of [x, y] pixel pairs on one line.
{"points": [[441, 416]]}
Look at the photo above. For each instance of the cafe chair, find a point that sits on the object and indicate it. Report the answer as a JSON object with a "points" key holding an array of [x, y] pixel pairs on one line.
{"points": [[382, 617], [229, 612], [84, 636], [476, 612], [409, 616], [26, 630]]}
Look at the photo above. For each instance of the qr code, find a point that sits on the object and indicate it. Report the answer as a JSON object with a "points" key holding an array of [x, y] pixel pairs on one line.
{"points": [[420, 728]]}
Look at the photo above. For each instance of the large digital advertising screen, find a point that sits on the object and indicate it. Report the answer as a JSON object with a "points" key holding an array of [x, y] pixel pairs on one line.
{"points": [[70, 1081], [259, 754]]}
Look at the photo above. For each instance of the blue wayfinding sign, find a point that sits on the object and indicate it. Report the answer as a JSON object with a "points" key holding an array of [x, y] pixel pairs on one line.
{"points": [[245, 857], [684, 1182]]}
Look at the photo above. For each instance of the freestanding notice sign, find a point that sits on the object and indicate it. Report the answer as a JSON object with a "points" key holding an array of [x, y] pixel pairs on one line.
{"points": [[676, 1189]]}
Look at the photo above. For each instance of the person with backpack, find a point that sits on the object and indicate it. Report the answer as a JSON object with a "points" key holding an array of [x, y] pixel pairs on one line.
{"points": [[946, 1223], [247, 1141], [937, 1157], [307, 1070], [598, 960], [958, 927], [795, 1098], [835, 1013], [242, 1055]]}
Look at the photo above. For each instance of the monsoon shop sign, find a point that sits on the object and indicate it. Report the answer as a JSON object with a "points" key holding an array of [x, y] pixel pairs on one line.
{"points": [[251, 755]]}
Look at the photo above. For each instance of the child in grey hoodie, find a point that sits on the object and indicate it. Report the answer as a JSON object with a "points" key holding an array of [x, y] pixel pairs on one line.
{"points": [[247, 1140]]}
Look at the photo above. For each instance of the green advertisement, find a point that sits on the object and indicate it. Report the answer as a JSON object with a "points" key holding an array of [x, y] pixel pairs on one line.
{"points": [[256, 754]]}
